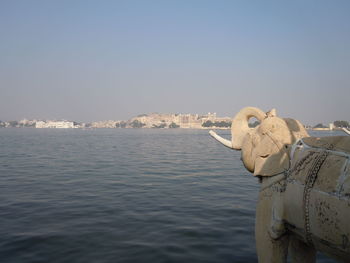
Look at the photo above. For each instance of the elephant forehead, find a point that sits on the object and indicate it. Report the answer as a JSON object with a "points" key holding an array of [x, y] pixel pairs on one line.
{"points": [[278, 128], [272, 124], [285, 131]]}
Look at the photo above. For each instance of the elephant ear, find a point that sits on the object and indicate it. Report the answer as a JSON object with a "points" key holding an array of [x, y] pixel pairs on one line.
{"points": [[269, 159], [271, 165]]}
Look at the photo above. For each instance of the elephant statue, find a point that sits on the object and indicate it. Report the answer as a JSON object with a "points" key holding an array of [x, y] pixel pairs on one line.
{"points": [[304, 198]]}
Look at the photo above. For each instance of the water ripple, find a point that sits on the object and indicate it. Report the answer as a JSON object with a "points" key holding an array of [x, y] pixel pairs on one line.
{"points": [[123, 195]]}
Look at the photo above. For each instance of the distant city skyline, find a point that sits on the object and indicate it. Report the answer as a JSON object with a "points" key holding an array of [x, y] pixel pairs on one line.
{"points": [[156, 120], [112, 60], [159, 118]]}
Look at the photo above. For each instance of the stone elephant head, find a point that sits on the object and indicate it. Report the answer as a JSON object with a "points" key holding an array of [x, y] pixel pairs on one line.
{"points": [[304, 198], [264, 148]]}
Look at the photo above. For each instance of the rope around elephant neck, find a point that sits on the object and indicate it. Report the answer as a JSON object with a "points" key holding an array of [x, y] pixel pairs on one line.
{"points": [[310, 179], [309, 183], [299, 164], [311, 175], [269, 181]]}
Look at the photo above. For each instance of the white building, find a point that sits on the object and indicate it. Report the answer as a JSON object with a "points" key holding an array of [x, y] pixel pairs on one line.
{"points": [[55, 124]]}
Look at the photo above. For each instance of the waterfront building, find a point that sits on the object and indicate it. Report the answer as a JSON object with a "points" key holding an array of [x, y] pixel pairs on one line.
{"points": [[104, 124], [54, 124]]}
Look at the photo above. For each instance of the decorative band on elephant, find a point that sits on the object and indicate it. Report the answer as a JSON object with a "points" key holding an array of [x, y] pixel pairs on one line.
{"points": [[304, 199]]}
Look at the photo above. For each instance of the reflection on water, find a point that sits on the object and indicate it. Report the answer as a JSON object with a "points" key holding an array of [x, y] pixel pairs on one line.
{"points": [[123, 195]]}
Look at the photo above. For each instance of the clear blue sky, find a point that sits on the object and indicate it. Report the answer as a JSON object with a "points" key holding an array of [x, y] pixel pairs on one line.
{"points": [[97, 60]]}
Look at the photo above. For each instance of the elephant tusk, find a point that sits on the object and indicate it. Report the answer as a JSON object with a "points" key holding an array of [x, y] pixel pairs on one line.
{"points": [[225, 142], [346, 131]]}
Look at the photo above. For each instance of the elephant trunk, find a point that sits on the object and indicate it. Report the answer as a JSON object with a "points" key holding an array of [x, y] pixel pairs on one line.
{"points": [[239, 127]]}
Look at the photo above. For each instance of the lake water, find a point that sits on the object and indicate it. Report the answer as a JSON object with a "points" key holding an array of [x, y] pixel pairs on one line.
{"points": [[124, 195]]}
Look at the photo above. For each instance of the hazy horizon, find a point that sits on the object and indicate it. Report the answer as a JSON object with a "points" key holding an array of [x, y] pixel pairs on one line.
{"points": [[99, 60], [101, 120]]}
